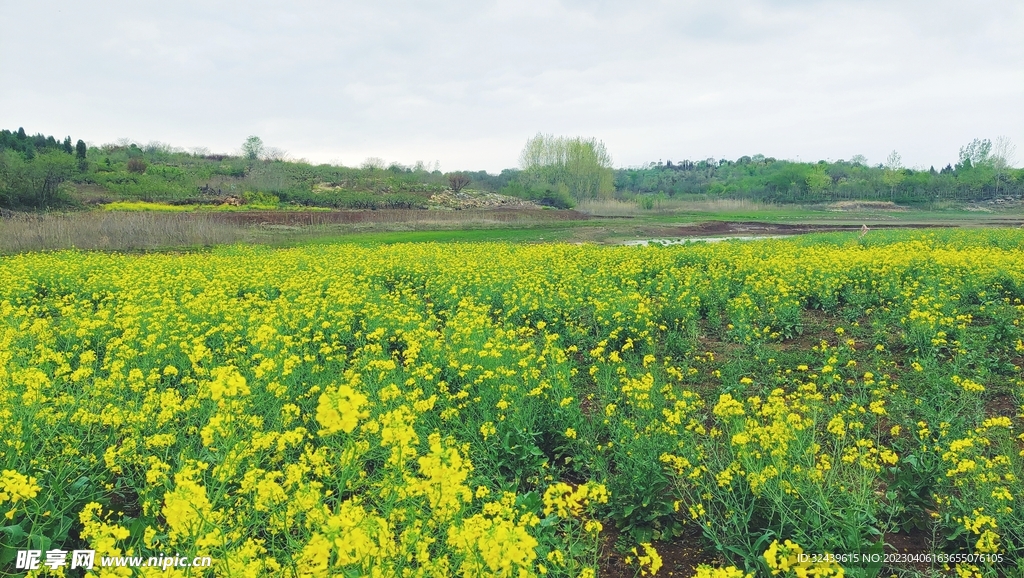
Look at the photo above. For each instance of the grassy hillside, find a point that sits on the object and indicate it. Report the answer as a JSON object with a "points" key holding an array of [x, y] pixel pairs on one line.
{"points": [[34, 176]]}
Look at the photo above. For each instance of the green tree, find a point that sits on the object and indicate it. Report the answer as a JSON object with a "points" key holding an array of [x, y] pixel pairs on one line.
{"points": [[12, 176], [818, 181], [974, 169], [581, 165], [252, 148], [80, 153], [893, 174], [975, 153], [45, 174]]}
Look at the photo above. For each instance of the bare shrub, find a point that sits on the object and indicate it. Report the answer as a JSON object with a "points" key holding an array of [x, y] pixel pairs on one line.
{"points": [[458, 181], [136, 165]]}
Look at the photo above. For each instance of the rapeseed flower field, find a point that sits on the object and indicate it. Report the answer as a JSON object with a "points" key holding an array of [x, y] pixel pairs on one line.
{"points": [[505, 410]]}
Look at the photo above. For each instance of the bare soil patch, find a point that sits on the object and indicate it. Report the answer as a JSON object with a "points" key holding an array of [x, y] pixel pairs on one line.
{"points": [[679, 557], [866, 205], [1002, 405], [915, 541]]}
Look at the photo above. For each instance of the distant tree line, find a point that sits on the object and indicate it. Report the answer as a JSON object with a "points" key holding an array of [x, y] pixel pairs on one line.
{"points": [[983, 171], [39, 143]]}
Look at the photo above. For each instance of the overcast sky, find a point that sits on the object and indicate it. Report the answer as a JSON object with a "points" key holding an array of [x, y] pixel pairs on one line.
{"points": [[466, 83]]}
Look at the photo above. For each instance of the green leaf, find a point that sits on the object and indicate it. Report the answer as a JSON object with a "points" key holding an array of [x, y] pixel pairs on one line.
{"points": [[15, 531], [39, 542], [7, 555], [79, 484]]}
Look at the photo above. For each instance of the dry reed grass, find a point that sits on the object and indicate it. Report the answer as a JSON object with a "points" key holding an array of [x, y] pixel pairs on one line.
{"points": [[609, 208], [113, 231], [139, 231], [412, 216], [633, 208]]}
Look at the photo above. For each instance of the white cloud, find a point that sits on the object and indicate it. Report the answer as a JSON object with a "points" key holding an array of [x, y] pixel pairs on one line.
{"points": [[468, 82]]}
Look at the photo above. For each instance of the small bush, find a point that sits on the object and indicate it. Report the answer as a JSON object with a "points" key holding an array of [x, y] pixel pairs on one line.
{"points": [[258, 199], [558, 198], [137, 206]]}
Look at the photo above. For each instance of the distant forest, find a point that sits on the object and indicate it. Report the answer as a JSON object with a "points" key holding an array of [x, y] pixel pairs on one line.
{"points": [[38, 171], [977, 175]]}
